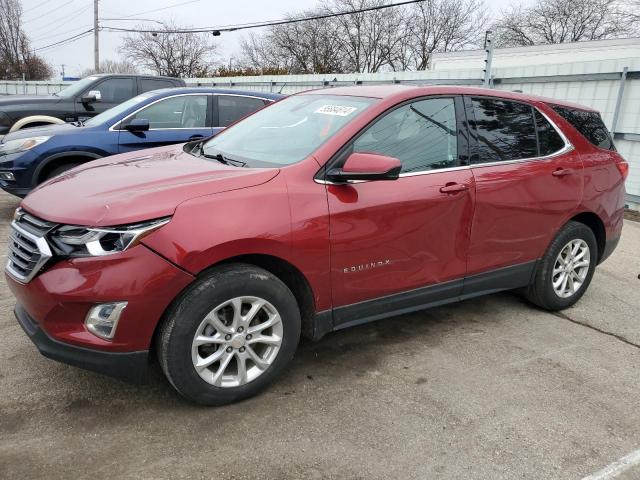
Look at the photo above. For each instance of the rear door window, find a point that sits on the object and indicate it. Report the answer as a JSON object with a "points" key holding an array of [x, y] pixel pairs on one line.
{"points": [[232, 108], [589, 124], [505, 130]]}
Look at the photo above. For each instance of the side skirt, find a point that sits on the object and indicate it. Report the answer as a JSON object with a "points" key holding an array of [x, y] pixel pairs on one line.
{"points": [[498, 280]]}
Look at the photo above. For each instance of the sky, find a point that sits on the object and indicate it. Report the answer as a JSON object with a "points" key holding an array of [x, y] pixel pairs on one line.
{"points": [[49, 21]]}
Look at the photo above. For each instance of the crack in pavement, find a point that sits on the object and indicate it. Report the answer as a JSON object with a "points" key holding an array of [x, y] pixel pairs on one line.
{"points": [[599, 330]]}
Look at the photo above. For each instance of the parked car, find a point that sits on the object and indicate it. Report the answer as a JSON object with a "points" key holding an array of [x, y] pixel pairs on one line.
{"points": [[326, 210], [161, 117], [78, 102]]}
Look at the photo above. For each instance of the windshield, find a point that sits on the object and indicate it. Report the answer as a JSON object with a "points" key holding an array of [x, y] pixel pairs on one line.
{"points": [[287, 131], [114, 113], [76, 87]]}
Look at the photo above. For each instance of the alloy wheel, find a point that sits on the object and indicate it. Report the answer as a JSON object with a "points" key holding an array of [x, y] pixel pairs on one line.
{"points": [[237, 341], [571, 268]]}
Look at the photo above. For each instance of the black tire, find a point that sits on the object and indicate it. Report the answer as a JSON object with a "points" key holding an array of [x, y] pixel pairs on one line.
{"points": [[179, 327], [541, 291], [60, 169]]}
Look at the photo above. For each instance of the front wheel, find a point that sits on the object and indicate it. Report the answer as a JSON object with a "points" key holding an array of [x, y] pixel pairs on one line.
{"points": [[565, 271], [230, 335]]}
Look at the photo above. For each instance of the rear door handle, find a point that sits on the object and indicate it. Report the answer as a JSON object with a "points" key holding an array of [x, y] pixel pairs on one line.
{"points": [[561, 172], [454, 188]]}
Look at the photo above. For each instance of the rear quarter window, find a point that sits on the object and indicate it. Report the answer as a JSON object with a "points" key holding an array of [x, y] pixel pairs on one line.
{"points": [[589, 124]]}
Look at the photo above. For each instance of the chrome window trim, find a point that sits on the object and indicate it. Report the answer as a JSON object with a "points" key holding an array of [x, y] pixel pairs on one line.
{"points": [[113, 129], [568, 147], [43, 250]]}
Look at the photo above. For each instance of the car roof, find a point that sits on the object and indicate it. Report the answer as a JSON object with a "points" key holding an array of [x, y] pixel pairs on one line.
{"points": [[220, 91], [404, 92]]}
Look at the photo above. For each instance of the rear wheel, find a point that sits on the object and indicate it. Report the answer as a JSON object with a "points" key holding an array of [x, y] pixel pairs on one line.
{"points": [[230, 335], [566, 269]]}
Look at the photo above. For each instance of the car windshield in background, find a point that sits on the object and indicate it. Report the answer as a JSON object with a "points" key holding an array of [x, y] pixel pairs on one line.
{"points": [[114, 113], [76, 87], [288, 131]]}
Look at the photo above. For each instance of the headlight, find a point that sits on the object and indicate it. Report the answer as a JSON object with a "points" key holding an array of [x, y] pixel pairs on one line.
{"points": [[21, 144], [74, 241]]}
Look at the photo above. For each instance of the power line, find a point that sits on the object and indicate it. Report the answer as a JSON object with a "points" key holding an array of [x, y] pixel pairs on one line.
{"points": [[47, 13], [233, 28], [36, 7], [65, 24], [154, 10], [74, 37]]}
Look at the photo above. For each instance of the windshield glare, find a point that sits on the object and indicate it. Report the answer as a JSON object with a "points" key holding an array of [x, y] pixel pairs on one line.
{"points": [[287, 131], [76, 87], [114, 113]]}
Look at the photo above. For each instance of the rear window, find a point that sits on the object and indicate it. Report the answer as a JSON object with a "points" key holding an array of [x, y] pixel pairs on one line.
{"points": [[589, 124]]}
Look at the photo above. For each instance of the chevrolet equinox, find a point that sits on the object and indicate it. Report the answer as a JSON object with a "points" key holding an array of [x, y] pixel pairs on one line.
{"points": [[325, 210]]}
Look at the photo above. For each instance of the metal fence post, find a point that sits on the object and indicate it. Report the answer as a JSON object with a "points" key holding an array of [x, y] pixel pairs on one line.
{"points": [[616, 112]]}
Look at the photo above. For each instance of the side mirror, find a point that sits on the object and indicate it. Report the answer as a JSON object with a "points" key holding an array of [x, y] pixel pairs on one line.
{"points": [[366, 166], [92, 97], [137, 125]]}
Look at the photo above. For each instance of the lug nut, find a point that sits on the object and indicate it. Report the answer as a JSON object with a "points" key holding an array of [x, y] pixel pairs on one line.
{"points": [[227, 337], [229, 349], [249, 337], [242, 349], [240, 329]]}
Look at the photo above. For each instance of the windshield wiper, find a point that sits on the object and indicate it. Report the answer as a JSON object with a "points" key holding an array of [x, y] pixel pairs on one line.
{"points": [[221, 158]]}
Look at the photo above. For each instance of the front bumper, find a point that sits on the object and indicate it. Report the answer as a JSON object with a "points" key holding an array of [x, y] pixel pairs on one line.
{"points": [[59, 298], [130, 366], [21, 165]]}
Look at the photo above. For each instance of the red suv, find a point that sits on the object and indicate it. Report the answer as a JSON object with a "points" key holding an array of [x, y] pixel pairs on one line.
{"points": [[325, 210]]}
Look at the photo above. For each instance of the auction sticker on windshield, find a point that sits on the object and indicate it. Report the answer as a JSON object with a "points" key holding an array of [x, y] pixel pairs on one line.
{"points": [[339, 110]]}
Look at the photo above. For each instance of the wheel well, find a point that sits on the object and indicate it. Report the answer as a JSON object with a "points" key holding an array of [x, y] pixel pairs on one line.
{"points": [[291, 277], [58, 162], [35, 124], [596, 225]]}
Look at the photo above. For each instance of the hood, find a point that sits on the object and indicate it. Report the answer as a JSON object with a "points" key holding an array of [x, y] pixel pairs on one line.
{"points": [[135, 187], [9, 100], [47, 130]]}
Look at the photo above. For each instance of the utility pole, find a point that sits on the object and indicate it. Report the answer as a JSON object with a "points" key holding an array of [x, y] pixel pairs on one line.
{"points": [[96, 38], [488, 47], [62, 73]]}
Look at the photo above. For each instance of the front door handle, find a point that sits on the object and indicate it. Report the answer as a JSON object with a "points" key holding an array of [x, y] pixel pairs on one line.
{"points": [[561, 172], [453, 187], [195, 137]]}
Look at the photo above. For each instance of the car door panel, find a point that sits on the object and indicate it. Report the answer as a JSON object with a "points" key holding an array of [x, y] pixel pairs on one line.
{"points": [[520, 204], [389, 237], [395, 236]]}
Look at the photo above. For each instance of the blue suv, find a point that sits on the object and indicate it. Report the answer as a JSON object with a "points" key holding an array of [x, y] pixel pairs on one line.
{"points": [[29, 157]]}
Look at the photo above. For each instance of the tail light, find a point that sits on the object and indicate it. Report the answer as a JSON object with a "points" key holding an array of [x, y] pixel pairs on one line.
{"points": [[624, 168]]}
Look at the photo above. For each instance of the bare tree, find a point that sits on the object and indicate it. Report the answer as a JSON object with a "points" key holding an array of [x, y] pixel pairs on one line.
{"points": [[170, 53], [305, 47], [367, 38], [560, 21], [397, 38], [113, 66], [16, 57], [443, 26]]}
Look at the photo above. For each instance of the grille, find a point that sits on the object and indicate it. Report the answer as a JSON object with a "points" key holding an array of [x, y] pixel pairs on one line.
{"points": [[28, 247]]}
